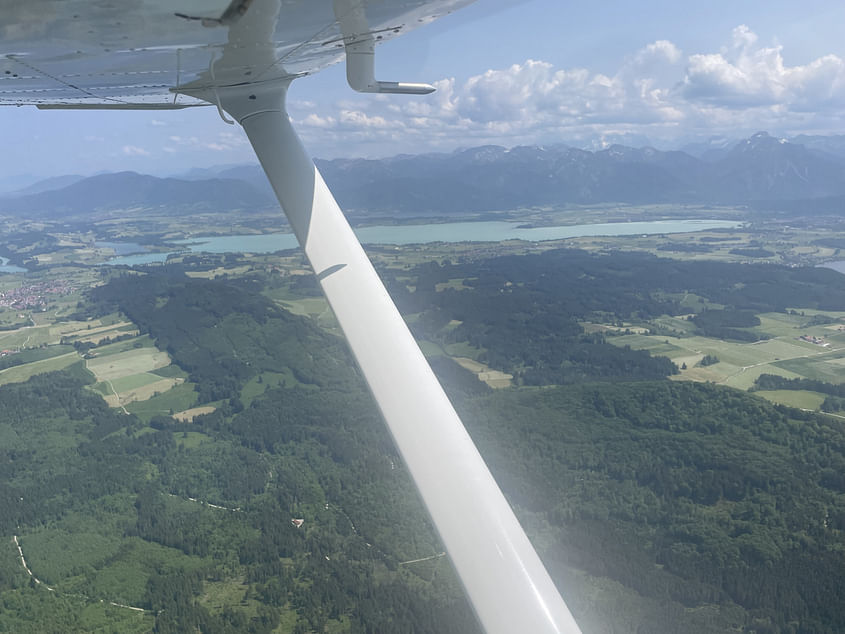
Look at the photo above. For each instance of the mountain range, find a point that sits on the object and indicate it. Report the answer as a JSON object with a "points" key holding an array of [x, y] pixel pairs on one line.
{"points": [[124, 191], [487, 178]]}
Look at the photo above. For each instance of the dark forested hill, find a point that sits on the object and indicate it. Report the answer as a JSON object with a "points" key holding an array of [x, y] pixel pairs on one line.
{"points": [[224, 335]]}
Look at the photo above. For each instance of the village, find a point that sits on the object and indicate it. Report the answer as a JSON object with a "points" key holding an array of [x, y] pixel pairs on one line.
{"points": [[33, 296]]}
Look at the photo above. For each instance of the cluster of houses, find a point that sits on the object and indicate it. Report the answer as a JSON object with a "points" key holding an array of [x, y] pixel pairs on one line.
{"points": [[33, 296]]}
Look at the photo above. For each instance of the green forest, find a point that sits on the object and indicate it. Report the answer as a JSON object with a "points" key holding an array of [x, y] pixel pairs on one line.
{"points": [[657, 506], [523, 312]]}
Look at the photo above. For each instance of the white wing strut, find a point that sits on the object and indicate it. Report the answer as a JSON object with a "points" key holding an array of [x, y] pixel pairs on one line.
{"points": [[503, 576]]}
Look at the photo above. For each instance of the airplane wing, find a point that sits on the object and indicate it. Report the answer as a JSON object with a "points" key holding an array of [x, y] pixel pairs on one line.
{"points": [[121, 54], [241, 56]]}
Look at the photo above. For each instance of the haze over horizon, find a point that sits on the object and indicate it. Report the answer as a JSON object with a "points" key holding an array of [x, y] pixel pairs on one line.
{"points": [[533, 72]]}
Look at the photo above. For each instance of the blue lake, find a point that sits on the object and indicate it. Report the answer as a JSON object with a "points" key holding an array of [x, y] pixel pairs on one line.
{"points": [[838, 266], [491, 231], [5, 267]]}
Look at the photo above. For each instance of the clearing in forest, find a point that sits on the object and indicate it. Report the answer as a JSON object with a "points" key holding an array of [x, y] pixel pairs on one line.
{"points": [[189, 414], [493, 378], [125, 376]]}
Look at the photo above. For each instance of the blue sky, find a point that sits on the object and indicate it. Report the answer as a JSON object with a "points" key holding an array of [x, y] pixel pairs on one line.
{"points": [[581, 72]]}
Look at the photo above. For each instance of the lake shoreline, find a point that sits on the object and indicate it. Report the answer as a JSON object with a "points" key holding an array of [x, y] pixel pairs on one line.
{"points": [[455, 232]]}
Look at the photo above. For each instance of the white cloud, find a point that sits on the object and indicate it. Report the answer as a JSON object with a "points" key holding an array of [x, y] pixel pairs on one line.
{"points": [[745, 75], [134, 150], [356, 119], [658, 91], [316, 121], [221, 142]]}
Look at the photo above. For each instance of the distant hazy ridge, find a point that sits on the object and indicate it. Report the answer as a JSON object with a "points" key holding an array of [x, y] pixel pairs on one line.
{"points": [[488, 178]]}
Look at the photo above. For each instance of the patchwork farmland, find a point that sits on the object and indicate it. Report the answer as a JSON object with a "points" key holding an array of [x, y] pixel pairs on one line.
{"points": [[128, 375], [793, 350]]}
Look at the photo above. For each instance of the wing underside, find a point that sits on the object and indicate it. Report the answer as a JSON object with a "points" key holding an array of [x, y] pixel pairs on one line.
{"points": [[120, 53]]}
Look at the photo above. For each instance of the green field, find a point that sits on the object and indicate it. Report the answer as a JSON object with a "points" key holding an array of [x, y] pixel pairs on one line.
{"points": [[310, 306], [31, 355], [828, 367], [21, 373], [142, 341], [27, 337], [462, 349], [104, 389], [741, 363], [134, 381], [257, 385], [130, 362], [802, 399], [683, 326], [171, 372], [176, 399], [430, 349], [315, 307]]}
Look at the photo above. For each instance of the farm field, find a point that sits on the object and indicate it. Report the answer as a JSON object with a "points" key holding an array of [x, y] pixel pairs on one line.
{"points": [[315, 307], [741, 363], [20, 373], [124, 376], [122, 364], [493, 378], [179, 398], [257, 385], [802, 399], [100, 333], [187, 416], [41, 331]]}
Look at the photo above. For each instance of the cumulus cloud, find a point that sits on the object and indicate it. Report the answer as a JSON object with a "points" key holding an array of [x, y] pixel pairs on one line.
{"points": [[658, 91], [748, 81], [741, 75], [221, 142], [134, 150]]}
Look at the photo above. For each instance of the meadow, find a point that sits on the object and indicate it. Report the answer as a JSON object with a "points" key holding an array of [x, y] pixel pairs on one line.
{"points": [[20, 373], [741, 363]]}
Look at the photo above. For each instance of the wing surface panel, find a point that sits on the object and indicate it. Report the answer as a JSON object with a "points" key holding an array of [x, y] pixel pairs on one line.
{"points": [[143, 52]]}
